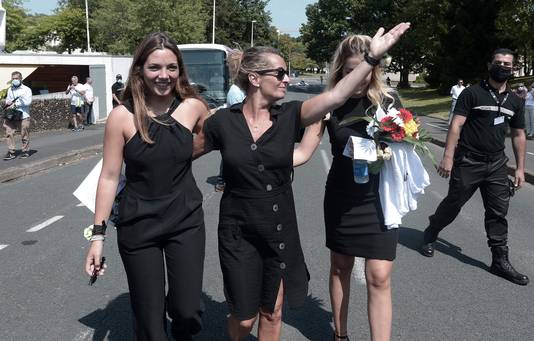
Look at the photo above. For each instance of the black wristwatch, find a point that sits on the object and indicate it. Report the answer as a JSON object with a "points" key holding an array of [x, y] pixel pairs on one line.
{"points": [[370, 60]]}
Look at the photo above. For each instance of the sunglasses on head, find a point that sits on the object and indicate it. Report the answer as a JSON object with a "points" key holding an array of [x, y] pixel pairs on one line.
{"points": [[280, 73]]}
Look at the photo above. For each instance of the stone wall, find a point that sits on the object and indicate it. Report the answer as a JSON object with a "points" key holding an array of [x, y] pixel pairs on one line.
{"points": [[47, 114]]}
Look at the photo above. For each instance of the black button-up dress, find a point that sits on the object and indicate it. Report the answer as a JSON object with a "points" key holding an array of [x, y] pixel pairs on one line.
{"points": [[259, 244]]}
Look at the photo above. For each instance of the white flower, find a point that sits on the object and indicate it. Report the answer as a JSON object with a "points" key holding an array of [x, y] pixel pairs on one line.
{"points": [[371, 129]]}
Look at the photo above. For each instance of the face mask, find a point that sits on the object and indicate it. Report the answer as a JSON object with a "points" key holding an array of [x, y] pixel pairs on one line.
{"points": [[499, 73], [15, 83]]}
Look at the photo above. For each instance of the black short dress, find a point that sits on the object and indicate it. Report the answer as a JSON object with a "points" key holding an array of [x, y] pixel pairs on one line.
{"points": [[259, 244], [353, 216]]}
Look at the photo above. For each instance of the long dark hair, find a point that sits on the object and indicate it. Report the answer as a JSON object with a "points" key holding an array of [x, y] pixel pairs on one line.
{"points": [[136, 91]]}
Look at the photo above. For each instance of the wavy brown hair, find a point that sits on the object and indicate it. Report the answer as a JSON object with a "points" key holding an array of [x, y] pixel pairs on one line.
{"points": [[136, 91], [357, 45]]}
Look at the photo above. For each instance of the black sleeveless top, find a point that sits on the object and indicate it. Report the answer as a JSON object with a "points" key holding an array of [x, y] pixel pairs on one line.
{"points": [[159, 180]]}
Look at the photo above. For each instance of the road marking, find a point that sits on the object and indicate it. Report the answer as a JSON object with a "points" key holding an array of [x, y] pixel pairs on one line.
{"points": [[3, 246], [326, 161], [358, 271], [80, 205], [44, 224], [438, 195], [530, 153], [435, 126], [84, 335]]}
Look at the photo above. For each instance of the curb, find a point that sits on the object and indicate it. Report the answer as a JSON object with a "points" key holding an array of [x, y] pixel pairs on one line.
{"points": [[18, 172], [529, 176]]}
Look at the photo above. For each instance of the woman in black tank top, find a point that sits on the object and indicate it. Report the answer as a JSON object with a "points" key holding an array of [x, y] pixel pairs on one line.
{"points": [[152, 132]]}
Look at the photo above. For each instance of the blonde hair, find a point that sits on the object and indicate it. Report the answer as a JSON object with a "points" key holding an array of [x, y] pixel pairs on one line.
{"points": [[253, 60], [136, 90], [234, 63], [358, 45]]}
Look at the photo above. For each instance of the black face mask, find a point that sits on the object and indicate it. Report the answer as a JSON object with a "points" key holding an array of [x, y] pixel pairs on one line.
{"points": [[499, 73]]}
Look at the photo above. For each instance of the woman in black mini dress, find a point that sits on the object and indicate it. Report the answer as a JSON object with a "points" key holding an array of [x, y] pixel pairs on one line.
{"points": [[161, 223], [352, 212], [259, 248]]}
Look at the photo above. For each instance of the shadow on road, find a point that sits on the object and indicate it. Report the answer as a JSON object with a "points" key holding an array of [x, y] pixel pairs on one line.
{"points": [[311, 320], [413, 239], [115, 318]]}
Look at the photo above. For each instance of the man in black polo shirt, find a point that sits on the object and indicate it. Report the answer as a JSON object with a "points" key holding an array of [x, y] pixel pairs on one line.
{"points": [[474, 158], [116, 90]]}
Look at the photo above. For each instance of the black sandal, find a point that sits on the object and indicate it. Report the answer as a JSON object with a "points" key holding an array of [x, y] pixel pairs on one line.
{"points": [[345, 337]]}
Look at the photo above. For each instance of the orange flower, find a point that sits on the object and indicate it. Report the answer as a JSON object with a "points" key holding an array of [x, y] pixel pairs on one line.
{"points": [[405, 115]]}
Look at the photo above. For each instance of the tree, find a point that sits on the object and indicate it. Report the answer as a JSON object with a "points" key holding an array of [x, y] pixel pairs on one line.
{"points": [[15, 23], [233, 22]]}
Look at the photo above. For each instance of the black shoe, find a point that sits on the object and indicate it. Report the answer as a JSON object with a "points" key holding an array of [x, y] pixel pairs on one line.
{"points": [[9, 156], [427, 249], [339, 337], [24, 155], [502, 267]]}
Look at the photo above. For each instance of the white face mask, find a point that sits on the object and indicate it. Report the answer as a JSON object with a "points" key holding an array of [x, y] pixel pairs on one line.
{"points": [[15, 83]]}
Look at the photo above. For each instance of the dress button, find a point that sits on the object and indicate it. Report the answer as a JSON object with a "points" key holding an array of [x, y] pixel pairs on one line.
{"points": [[269, 187], [253, 146], [275, 207], [281, 246], [279, 227], [282, 265], [261, 168]]}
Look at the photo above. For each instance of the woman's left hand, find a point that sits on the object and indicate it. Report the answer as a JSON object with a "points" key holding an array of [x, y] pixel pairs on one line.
{"points": [[381, 42]]}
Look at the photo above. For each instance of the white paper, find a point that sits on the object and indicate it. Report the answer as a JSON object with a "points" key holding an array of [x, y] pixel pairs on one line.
{"points": [[358, 148], [86, 191]]}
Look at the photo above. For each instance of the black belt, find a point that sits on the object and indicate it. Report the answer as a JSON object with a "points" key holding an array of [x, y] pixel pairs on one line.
{"points": [[481, 157]]}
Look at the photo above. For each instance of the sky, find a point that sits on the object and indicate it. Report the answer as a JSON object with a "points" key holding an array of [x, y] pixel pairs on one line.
{"points": [[287, 15]]}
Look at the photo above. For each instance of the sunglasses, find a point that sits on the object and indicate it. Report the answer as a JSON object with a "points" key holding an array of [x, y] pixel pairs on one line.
{"points": [[280, 73]]}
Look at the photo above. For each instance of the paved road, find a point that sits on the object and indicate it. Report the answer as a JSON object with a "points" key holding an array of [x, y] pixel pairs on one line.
{"points": [[44, 294]]}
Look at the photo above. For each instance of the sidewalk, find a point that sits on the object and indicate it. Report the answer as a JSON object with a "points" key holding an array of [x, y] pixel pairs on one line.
{"points": [[54, 148], [50, 149]]}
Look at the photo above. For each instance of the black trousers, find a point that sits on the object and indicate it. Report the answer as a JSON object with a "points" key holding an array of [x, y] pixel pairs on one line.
{"points": [[88, 111], [181, 258], [471, 172]]}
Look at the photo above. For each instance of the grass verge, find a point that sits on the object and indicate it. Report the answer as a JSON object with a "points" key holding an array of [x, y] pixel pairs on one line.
{"points": [[425, 101]]}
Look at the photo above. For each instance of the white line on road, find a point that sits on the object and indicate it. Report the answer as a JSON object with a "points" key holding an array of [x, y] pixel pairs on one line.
{"points": [[3, 246], [530, 153], [80, 205], [326, 161], [359, 269], [435, 126], [84, 335], [44, 224]]}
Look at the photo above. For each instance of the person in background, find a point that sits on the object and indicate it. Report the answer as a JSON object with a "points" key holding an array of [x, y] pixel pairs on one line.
{"points": [[160, 229], [474, 159], [259, 247], [529, 112], [456, 90], [88, 101], [19, 97], [521, 91], [76, 91], [116, 90]]}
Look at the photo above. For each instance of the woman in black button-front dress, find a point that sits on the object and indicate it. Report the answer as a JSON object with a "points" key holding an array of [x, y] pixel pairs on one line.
{"points": [[259, 247], [353, 214], [161, 223]]}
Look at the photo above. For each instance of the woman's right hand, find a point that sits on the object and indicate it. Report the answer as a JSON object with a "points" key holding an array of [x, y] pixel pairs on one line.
{"points": [[94, 257], [381, 42]]}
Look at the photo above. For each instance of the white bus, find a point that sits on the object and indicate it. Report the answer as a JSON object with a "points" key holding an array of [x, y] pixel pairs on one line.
{"points": [[207, 69]]}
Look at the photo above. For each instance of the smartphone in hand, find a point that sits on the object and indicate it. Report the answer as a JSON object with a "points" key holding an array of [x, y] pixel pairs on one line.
{"points": [[94, 276]]}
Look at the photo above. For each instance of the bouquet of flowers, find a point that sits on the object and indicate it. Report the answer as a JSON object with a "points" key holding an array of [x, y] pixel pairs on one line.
{"points": [[390, 127]]}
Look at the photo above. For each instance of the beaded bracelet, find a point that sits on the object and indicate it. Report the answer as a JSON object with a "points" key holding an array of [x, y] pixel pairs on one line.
{"points": [[97, 237]]}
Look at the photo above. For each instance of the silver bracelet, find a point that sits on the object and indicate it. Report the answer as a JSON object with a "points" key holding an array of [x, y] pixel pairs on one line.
{"points": [[97, 237]]}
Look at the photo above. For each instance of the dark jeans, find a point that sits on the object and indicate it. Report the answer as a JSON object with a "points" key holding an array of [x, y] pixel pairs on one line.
{"points": [[88, 111], [471, 172], [181, 257]]}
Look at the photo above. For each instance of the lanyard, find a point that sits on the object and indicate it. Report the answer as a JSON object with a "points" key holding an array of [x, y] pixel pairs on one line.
{"points": [[499, 104]]}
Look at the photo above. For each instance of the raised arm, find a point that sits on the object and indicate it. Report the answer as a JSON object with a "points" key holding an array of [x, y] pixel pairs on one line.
{"points": [[311, 139], [316, 107]]}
